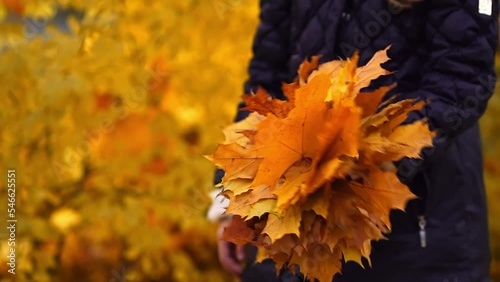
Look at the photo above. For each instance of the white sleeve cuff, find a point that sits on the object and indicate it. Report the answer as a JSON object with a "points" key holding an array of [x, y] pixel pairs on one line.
{"points": [[218, 207]]}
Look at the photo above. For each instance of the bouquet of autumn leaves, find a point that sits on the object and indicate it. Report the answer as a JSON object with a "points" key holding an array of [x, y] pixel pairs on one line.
{"points": [[308, 179]]}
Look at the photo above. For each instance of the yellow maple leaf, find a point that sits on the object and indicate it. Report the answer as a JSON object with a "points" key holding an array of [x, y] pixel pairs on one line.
{"points": [[278, 225]]}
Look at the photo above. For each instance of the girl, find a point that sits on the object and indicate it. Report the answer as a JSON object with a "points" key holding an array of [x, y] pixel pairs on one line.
{"points": [[442, 51]]}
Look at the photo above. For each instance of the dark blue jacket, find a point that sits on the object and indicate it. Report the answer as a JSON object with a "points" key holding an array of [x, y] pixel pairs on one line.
{"points": [[443, 51]]}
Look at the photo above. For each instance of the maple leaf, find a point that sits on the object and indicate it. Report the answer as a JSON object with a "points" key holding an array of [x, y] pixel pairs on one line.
{"points": [[372, 70], [254, 202], [314, 172], [238, 232], [381, 192], [289, 92], [238, 186], [278, 225], [370, 101], [288, 192], [241, 132], [236, 161], [262, 103], [319, 262], [306, 68], [237, 156], [340, 138]]}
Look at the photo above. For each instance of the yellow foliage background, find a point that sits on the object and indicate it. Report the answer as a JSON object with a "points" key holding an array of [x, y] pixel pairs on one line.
{"points": [[106, 108]]}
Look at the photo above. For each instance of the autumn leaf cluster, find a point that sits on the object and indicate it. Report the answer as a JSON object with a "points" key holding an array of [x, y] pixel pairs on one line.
{"points": [[310, 180]]}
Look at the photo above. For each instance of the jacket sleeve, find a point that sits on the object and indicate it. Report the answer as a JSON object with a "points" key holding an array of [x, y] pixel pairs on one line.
{"points": [[459, 76], [268, 67], [271, 52]]}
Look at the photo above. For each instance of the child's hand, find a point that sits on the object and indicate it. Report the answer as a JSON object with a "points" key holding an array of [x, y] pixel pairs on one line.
{"points": [[230, 255]]}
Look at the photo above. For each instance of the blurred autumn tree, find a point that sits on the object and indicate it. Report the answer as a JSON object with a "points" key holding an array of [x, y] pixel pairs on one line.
{"points": [[490, 127], [106, 109]]}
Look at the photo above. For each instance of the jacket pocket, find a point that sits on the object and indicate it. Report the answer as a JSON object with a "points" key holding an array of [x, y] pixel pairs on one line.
{"points": [[443, 221]]}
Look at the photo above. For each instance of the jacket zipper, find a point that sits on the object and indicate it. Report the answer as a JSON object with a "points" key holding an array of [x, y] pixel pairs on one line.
{"points": [[346, 13], [422, 222], [423, 234]]}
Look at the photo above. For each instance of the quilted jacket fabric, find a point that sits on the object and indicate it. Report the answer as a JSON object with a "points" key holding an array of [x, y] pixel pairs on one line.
{"points": [[442, 51]]}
